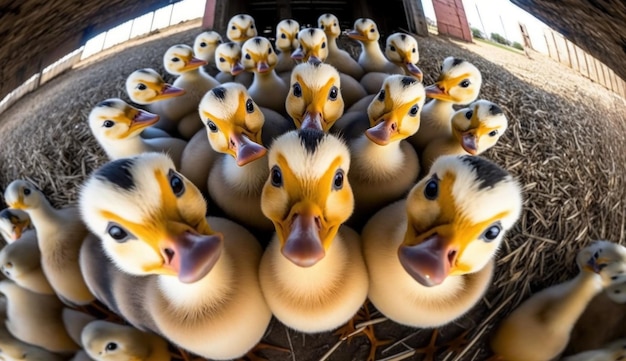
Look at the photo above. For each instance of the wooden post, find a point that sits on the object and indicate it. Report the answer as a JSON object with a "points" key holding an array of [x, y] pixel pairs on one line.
{"points": [[208, 21], [415, 17], [556, 48]]}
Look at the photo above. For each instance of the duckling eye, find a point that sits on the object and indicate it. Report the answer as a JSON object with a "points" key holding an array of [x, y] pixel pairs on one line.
{"points": [[175, 60], [296, 35], [322, 26], [249, 106], [111, 346], [469, 114], [142, 86], [26, 191], [283, 36], [338, 180], [392, 48], [323, 45], [431, 191], [203, 44], [413, 110], [381, 95], [117, 233], [465, 83], [297, 90], [233, 27], [108, 123], [177, 184], [414, 50], [372, 30], [334, 24], [252, 26], [492, 232], [333, 93], [493, 133], [277, 177], [212, 126], [248, 56], [222, 60]]}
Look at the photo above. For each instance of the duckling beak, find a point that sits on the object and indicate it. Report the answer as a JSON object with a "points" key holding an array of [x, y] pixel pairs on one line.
{"points": [[18, 204], [596, 264], [428, 262], [415, 71], [437, 91], [237, 68], [18, 228], [303, 246], [314, 60], [245, 149], [193, 63], [141, 119], [356, 35], [262, 66], [298, 54], [312, 120], [469, 142], [192, 256], [381, 133], [169, 91]]}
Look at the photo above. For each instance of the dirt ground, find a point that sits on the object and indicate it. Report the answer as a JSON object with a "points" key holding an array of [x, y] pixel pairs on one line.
{"points": [[565, 145]]}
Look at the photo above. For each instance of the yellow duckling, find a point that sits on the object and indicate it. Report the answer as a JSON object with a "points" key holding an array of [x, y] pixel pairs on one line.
{"points": [[106, 341], [241, 28], [35, 318], [384, 167], [337, 57], [116, 126], [546, 319], [286, 43], [267, 89], [198, 159], [164, 266], [315, 100], [371, 58], [20, 261], [430, 257], [614, 351], [228, 61], [12, 349], [312, 273], [60, 233], [474, 130], [459, 83], [401, 49], [204, 46], [237, 128]]}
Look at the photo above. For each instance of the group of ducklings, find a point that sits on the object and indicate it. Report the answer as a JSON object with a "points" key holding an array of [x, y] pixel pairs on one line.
{"points": [[386, 200]]}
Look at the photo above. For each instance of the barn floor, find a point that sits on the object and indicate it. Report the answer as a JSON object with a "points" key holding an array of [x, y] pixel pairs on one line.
{"points": [[565, 144]]}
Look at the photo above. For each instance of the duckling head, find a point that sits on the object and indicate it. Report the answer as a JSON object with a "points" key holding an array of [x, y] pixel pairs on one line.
{"points": [[313, 46], [395, 112], [179, 59], [228, 58], [479, 126], [307, 195], [241, 28], [458, 83], [607, 259], [13, 222], [234, 122], [23, 195], [114, 119], [150, 219], [145, 86], [108, 341], [457, 217], [314, 100], [330, 24], [401, 49], [287, 35], [365, 30], [204, 45], [258, 55]]}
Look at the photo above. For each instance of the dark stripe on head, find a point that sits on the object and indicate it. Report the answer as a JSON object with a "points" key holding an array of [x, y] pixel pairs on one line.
{"points": [[118, 173], [487, 172], [311, 31], [105, 103], [457, 61], [7, 214], [242, 16], [288, 21], [231, 44], [219, 92], [144, 71], [403, 37], [310, 138], [495, 110], [408, 81], [257, 40], [326, 15]]}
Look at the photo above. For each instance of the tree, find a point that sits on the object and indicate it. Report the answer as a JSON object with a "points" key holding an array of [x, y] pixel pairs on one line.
{"points": [[477, 33], [500, 39], [518, 46]]}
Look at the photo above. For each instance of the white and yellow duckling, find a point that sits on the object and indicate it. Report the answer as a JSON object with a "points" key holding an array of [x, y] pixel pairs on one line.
{"points": [[401, 49], [474, 130], [228, 61], [286, 42], [241, 27], [315, 100], [107, 341], [614, 351], [430, 257], [337, 57], [459, 83], [237, 128], [312, 273], [546, 319], [116, 126], [60, 234], [384, 166], [36, 318], [12, 349], [204, 46], [20, 260], [164, 266], [267, 89]]}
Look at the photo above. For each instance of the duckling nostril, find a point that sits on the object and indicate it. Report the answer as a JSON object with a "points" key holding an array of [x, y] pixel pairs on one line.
{"points": [[169, 253], [394, 126], [452, 256], [318, 222]]}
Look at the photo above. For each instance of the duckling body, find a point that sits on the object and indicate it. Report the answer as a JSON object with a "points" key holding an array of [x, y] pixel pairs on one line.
{"points": [[615, 350], [12, 349], [195, 277], [339, 58], [429, 257], [286, 43], [197, 160], [20, 262], [60, 233]]}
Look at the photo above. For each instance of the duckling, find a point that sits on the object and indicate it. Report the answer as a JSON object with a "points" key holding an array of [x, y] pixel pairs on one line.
{"points": [[241, 28], [474, 130], [60, 234], [179, 60], [74, 322], [116, 126], [312, 273], [615, 350], [337, 57], [286, 43], [81, 356], [315, 100], [267, 89], [12, 349], [198, 159], [459, 83], [430, 256], [36, 318], [546, 319], [228, 61], [401, 49], [238, 129], [191, 279], [204, 46], [13, 223], [384, 166], [371, 57], [313, 49]]}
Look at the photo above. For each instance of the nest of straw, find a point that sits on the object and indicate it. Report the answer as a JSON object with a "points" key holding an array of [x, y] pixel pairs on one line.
{"points": [[565, 145]]}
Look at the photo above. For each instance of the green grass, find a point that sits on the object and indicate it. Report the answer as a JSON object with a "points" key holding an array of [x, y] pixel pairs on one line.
{"points": [[499, 45]]}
